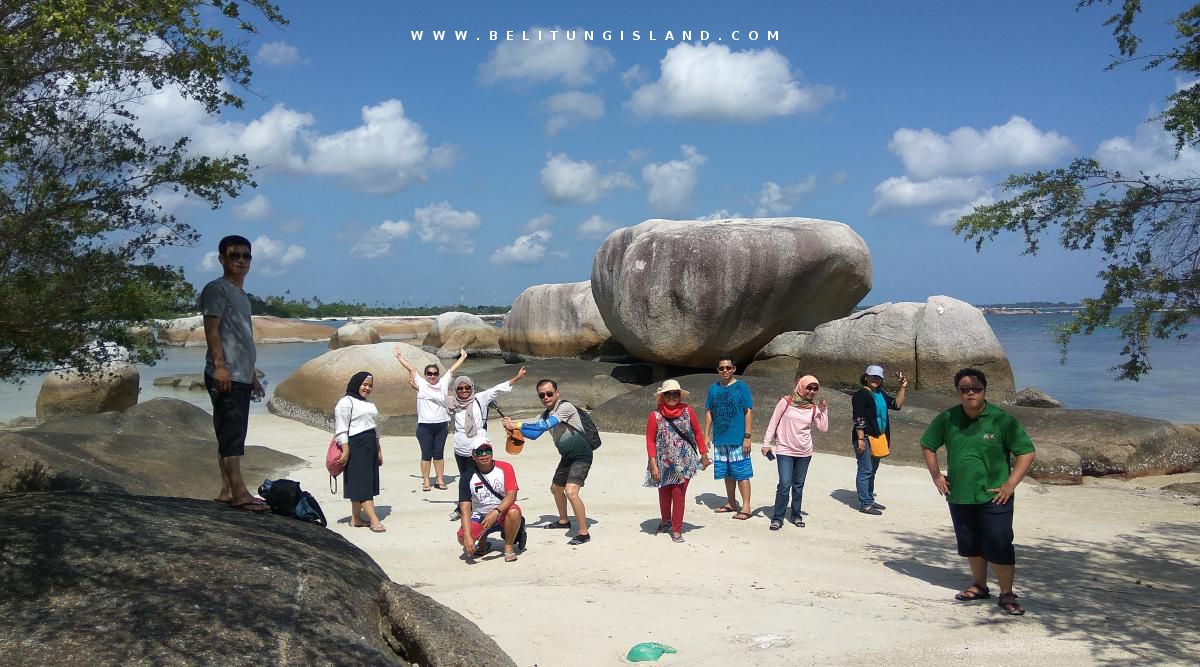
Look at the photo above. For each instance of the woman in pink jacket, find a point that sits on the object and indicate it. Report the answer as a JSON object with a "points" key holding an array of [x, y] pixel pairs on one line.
{"points": [[789, 440]]}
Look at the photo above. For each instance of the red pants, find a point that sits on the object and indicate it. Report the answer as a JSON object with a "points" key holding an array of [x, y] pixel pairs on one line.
{"points": [[670, 503]]}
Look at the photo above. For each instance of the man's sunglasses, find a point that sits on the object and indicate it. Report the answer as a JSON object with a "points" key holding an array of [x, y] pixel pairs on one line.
{"points": [[545, 394], [724, 368], [235, 256], [971, 390]]}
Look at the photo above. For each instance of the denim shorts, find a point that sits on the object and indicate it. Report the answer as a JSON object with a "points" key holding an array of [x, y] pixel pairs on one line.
{"points": [[985, 530]]}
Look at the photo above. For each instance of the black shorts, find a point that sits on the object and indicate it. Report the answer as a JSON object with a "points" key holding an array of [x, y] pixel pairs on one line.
{"points": [[231, 416], [571, 471], [432, 438], [985, 530]]}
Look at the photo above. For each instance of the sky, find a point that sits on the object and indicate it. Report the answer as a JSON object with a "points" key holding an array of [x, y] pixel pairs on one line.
{"points": [[395, 170]]}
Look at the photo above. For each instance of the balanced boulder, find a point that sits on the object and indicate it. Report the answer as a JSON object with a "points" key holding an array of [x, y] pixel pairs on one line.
{"points": [[115, 387], [558, 320], [354, 333], [684, 292], [456, 331], [408, 329]]}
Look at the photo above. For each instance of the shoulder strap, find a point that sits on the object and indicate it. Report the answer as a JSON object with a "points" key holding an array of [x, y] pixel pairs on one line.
{"points": [[483, 478], [671, 423]]}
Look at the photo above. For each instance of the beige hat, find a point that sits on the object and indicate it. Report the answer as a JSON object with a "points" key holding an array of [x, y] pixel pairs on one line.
{"points": [[671, 385]]}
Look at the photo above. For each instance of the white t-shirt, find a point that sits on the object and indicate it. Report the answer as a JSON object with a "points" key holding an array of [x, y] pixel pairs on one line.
{"points": [[352, 416], [501, 478], [431, 401], [463, 446]]}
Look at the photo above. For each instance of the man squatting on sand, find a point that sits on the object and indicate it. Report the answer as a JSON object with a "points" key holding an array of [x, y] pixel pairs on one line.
{"points": [[561, 419], [487, 499], [229, 373]]}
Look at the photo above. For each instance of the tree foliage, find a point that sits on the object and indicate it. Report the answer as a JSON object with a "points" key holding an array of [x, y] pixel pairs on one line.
{"points": [[80, 216], [1147, 226], [314, 308]]}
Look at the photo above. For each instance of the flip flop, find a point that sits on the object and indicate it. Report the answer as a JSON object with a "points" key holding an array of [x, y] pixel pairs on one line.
{"points": [[741, 516], [379, 529], [510, 556], [223, 502], [255, 505], [425, 487], [725, 509], [440, 487]]}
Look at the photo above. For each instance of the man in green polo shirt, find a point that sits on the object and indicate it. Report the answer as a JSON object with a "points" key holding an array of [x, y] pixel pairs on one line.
{"points": [[979, 486]]}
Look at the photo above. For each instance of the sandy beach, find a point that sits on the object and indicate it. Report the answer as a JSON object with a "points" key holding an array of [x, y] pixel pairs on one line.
{"points": [[1107, 570]]}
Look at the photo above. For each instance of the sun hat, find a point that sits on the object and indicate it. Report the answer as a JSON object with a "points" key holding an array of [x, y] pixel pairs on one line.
{"points": [[672, 385], [877, 371]]}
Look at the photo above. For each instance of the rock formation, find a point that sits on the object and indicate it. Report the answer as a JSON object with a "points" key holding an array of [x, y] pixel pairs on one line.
{"points": [[559, 320]]}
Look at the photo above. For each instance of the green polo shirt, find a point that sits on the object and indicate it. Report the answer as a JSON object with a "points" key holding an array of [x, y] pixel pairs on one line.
{"points": [[977, 450]]}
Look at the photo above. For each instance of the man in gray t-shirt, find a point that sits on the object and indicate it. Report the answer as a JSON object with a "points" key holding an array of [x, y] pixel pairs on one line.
{"points": [[229, 367]]}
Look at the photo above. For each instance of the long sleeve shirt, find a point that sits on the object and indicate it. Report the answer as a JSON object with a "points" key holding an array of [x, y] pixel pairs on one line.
{"points": [[652, 429], [789, 432], [352, 416], [462, 444]]}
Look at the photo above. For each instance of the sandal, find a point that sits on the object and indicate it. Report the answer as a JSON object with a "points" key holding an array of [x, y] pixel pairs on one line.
{"points": [[379, 528], [776, 524], [798, 522], [677, 538], [555, 525], [725, 509], [742, 516], [440, 487], [973, 592], [1008, 602], [425, 486]]}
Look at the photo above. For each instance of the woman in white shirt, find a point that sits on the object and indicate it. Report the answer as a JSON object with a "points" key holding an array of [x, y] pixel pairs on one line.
{"points": [[354, 419], [432, 418], [469, 409]]}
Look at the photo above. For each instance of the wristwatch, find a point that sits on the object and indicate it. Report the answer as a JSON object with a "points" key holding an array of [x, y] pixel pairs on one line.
{"points": [[748, 435]]}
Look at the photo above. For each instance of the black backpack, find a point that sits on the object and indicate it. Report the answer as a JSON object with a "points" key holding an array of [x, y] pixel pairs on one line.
{"points": [[286, 498], [590, 432]]}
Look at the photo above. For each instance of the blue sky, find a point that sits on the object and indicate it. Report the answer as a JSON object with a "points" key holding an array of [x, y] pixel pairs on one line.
{"points": [[398, 171]]}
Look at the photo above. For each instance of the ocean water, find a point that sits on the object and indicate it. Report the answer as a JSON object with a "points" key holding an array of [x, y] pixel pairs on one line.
{"points": [[1085, 381]]}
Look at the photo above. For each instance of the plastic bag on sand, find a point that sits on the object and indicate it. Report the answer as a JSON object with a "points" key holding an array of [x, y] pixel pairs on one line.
{"points": [[648, 652]]}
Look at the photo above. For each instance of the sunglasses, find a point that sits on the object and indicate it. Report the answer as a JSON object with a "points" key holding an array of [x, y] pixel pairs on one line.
{"points": [[971, 390], [235, 256], [672, 394], [813, 387], [485, 452], [724, 368], [545, 394], [432, 373], [462, 388]]}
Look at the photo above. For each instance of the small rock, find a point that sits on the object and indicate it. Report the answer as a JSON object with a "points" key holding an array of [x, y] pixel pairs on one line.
{"points": [[1032, 397]]}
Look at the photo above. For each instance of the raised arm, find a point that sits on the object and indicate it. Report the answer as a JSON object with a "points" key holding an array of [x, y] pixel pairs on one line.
{"points": [[517, 378], [462, 357], [412, 372]]}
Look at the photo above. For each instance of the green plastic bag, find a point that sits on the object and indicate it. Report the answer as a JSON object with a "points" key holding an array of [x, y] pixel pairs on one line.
{"points": [[648, 652]]}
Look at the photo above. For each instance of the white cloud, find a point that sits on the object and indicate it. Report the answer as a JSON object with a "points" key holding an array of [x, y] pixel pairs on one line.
{"points": [[1150, 151], [634, 76], [570, 108], [899, 192], [272, 257], [209, 262], [573, 62], [449, 228], [721, 214], [377, 241], [278, 54], [949, 216], [255, 209], [965, 151], [567, 180], [712, 82], [595, 227], [1183, 84], [542, 221], [774, 199], [525, 249], [670, 184]]}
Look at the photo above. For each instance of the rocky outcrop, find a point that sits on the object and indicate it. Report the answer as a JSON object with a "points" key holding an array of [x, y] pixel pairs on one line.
{"points": [[1056, 465], [788, 343], [557, 321], [308, 394], [123, 580], [456, 331], [408, 329], [354, 333], [189, 331], [115, 387], [1032, 397], [929, 341], [683, 292], [161, 447]]}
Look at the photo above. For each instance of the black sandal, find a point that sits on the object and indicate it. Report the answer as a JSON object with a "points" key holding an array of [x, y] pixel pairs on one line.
{"points": [[1008, 602], [973, 592]]}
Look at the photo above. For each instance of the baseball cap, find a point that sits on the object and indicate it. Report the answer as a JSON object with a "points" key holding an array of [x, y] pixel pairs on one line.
{"points": [[877, 371]]}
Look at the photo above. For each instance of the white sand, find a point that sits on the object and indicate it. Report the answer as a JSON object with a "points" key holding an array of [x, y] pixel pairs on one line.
{"points": [[1107, 570]]}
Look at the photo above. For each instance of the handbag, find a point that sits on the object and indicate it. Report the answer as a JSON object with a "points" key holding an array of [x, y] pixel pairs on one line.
{"points": [[879, 446], [333, 455]]}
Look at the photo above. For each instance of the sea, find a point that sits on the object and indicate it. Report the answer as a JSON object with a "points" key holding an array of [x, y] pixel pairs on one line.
{"points": [[1085, 379]]}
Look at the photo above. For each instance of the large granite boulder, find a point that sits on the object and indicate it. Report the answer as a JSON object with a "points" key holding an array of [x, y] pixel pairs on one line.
{"points": [[1032, 397], [114, 388], [929, 341], [161, 447], [309, 394], [112, 579], [788, 343], [189, 331], [409, 329], [354, 333], [684, 292], [456, 331], [558, 320]]}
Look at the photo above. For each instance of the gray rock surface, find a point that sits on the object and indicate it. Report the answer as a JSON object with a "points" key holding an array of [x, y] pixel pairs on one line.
{"points": [[123, 580], [1184, 488], [885, 334], [953, 334], [1032, 397], [683, 292], [788, 343], [161, 447], [353, 333], [559, 320], [1055, 464], [69, 393], [309, 394], [409, 329], [782, 366], [456, 331]]}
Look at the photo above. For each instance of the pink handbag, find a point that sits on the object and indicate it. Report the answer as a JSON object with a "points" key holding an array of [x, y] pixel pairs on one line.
{"points": [[333, 463]]}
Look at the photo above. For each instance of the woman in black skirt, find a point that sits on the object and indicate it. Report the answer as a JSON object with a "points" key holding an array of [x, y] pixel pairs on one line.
{"points": [[354, 420]]}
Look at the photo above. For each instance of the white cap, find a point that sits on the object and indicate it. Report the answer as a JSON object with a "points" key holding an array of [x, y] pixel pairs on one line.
{"points": [[877, 371]]}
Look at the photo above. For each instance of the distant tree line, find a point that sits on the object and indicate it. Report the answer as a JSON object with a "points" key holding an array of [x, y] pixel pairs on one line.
{"points": [[315, 308], [1029, 304]]}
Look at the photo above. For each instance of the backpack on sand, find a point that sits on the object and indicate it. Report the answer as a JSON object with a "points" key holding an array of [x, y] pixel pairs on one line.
{"points": [[286, 498]]}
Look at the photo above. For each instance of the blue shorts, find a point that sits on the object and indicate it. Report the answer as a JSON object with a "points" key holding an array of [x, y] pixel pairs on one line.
{"points": [[738, 470]]}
